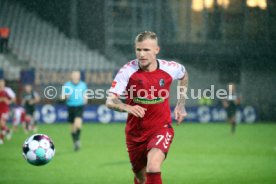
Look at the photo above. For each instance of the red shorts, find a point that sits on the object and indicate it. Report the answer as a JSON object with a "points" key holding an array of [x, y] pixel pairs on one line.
{"points": [[138, 151]]}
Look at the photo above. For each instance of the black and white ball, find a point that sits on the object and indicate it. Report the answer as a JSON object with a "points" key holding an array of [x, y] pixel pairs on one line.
{"points": [[38, 149]]}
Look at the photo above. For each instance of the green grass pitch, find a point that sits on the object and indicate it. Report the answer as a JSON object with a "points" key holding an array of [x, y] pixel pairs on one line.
{"points": [[200, 154]]}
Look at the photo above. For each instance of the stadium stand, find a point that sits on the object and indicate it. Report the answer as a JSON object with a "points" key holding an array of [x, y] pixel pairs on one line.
{"points": [[12, 72], [43, 45]]}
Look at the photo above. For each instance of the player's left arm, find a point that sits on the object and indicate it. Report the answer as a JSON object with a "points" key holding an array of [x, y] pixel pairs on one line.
{"points": [[180, 111], [85, 94], [36, 98]]}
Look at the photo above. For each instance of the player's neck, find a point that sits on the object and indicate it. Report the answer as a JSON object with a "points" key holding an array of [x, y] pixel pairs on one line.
{"points": [[75, 82]]}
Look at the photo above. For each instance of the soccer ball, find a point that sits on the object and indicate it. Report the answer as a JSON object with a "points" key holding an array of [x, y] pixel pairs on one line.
{"points": [[38, 149]]}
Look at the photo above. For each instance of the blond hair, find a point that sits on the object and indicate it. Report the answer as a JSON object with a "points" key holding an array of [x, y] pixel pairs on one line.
{"points": [[146, 35]]}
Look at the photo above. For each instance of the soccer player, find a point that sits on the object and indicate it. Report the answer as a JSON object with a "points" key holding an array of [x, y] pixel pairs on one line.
{"points": [[230, 105], [29, 100], [7, 96], [74, 92], [146, 82]]}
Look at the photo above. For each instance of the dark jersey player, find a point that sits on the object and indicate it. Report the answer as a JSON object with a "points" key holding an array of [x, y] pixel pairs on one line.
{"points": [[30, 98], [146, 83], [230, 105]]}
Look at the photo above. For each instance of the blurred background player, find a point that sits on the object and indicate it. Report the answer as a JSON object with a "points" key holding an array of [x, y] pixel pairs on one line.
{"points": [[149, 131], [7, 96], [30, 99], [18, 114], [231, 104], [74, 93]]}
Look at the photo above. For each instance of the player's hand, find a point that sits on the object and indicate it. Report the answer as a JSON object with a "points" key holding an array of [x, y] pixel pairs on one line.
{"points": [[179, 113], [137, 111]]}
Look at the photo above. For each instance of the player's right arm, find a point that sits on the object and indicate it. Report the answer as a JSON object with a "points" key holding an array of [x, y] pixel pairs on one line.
{"points": [[118, 88], [11, 96], [65, 91], [113, 102], [36, 98]]}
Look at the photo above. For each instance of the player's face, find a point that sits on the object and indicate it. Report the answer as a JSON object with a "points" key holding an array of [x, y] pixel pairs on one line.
{"points": [[75, 77], [28, 88], [146, 52]]}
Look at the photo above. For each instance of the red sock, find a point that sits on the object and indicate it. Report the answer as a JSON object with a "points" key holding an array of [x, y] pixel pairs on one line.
{"points": [[154, 178]]}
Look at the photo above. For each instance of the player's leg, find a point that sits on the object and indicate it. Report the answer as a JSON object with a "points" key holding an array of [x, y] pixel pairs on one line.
{"points": [[24, 126], [137, 153], [2, 133], [71, 118], [155, 160], [158, 148], [5, 131], [34, 122], [231, 118], [77, 125], [27, 123], [23, 120], [140, 177], [15, 120], [31, 116], [233, 124]]}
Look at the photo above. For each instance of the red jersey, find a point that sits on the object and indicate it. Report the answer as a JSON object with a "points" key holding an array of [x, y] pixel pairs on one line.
{"points": [[149, 90], [6, 93]]}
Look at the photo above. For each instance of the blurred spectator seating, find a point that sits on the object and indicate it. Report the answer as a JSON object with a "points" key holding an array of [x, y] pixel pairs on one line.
{"points": [[43, 45]]}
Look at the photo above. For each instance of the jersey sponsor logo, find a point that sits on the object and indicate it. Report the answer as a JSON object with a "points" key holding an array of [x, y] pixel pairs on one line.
{"points": [[147, 100], [161, 82]]}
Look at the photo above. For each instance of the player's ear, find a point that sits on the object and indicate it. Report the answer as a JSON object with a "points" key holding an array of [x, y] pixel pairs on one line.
{"points": [[157, 50]]}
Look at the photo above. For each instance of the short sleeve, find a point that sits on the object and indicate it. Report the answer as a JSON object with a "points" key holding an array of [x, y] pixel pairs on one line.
{"points": [[67, 88], [119, 83], [180, 73], [174, 69], [10, 93]]}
